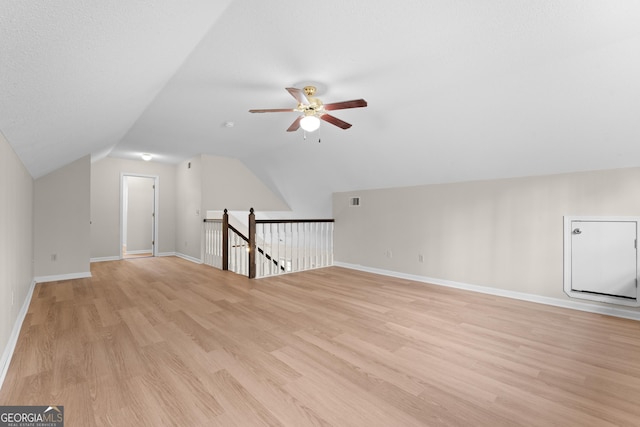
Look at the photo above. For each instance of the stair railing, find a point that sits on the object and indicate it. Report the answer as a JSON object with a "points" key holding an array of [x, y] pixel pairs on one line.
{"points": [[213, 247], [272, 247]]}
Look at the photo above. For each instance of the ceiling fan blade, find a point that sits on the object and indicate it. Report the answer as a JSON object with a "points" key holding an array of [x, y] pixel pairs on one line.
{"points": [[273, 110], [335, 121], [295, 125], [299, 95], [356, 103]]}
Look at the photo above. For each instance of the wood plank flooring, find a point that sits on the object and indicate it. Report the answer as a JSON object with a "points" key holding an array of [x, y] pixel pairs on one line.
{"points": [[164, 342]]}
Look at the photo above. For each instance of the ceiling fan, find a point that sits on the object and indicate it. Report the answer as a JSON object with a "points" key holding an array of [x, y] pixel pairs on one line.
{"points": [[313, 110]]}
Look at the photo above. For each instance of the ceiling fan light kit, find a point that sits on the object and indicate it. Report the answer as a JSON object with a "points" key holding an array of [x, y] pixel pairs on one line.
{"points": [[313, 110], [310, 123]]}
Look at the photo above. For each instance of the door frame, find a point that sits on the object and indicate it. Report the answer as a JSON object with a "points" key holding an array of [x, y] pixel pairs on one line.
{"points": [[568, 219], [156, 191]]}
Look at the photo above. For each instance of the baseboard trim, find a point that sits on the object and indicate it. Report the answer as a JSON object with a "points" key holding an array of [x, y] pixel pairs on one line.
{"points": [[142, 251], [166, 254], [7, 355], [557, 302], [188, 258], [105, 258], [117, 258], [58, 277]]}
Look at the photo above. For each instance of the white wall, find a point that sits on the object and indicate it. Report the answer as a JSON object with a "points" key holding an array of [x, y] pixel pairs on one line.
{"points": [[504, 234], [105, 204], [61, 221], [16, 241]]}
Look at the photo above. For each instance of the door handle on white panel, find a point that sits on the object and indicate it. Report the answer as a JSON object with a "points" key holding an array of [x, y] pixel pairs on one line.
{"points": [[577, 231]]}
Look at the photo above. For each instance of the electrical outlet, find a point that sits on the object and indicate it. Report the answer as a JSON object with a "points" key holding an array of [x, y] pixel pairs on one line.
{"points": [[388, 253], [54, 257], [420, 258]]}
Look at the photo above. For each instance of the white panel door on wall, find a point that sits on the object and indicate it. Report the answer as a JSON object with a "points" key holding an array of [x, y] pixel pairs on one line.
{"points": [[604, 257]]}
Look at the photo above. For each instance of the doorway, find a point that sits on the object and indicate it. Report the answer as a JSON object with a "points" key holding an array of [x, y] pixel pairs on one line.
{"points": [[138, 218]]}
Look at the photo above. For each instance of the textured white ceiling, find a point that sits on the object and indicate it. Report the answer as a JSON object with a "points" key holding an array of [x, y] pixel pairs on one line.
{"points": [[457, 89]]}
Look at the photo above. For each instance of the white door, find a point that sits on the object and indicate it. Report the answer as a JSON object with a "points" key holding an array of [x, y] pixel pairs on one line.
{"points": [[603, 257]]}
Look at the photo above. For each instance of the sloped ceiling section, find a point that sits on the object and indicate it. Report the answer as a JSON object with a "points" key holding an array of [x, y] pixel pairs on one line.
{"points": [[457, 89], [76, 75]]}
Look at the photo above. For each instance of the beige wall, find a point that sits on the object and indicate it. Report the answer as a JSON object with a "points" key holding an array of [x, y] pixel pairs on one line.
{"points": [[139, 219], [504, 234], [16, 240], [105, 204], [228, 184], [61, 220], [214, 184], [189, 212]]}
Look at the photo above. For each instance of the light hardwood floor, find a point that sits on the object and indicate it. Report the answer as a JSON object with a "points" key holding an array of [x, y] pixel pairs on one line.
{"points": [[164, 342]]}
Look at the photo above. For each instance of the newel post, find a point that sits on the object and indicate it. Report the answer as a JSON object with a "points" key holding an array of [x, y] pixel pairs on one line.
{"points": [[252, 244], [225, 240]]}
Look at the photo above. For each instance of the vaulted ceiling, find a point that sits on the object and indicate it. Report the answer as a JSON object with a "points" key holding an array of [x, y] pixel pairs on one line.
{"points": [[457, 89]]}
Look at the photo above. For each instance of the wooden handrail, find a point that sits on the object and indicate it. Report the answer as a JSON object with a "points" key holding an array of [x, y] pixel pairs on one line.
{"points": [[290, 221], [242, 236], [274, 221]]}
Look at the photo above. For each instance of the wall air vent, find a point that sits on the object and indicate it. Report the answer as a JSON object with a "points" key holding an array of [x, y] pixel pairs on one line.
{"points": [[354, 201]]}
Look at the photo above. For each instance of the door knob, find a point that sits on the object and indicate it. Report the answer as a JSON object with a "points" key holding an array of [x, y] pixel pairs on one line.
{"points": [[577, 231]]}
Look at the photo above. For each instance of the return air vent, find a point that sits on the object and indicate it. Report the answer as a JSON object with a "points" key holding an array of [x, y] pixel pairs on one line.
{"points": [[354, 201]]}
